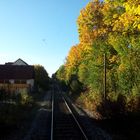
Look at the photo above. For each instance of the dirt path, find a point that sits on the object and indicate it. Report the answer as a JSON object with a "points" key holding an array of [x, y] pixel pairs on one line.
{"points": [[40, 129]]}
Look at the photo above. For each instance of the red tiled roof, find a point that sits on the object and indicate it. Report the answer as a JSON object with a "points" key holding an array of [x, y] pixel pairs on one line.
{"points": [[16, 72]]}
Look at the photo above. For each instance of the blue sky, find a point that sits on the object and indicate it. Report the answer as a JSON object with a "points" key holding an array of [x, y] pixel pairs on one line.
{"points": [[38, 31]]}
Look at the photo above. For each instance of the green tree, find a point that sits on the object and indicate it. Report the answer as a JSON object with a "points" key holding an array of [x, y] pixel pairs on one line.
{"points": [[41, 77]]}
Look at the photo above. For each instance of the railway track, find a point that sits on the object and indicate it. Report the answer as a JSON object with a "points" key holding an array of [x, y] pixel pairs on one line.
{"points": [[55, 121], [64, 124]]}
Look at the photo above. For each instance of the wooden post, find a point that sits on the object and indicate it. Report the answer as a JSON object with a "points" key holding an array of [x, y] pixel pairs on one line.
{"points": [[105, 76]]}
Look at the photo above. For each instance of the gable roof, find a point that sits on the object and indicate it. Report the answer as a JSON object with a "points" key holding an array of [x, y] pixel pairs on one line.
{"points": [[19, 62], [16, 72]]}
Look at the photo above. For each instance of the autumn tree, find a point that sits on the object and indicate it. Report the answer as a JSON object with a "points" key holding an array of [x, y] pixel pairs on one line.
{"points": [[111, 27]]}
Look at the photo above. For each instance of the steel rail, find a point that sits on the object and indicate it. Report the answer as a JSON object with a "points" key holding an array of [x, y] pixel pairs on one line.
{"points": [[52, 115], [79, 126]]}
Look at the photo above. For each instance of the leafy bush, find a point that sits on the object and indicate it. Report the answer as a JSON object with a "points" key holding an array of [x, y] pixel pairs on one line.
{"points": [[25, 98]]}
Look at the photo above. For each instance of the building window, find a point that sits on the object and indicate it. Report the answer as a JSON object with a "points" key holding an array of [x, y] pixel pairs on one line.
{"points": [[23, 81], [6, 82], [17, 81]]}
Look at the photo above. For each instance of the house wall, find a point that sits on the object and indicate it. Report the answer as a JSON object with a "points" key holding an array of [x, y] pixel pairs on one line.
{"points": [[12, 81], [17, 88], [30, 82]]}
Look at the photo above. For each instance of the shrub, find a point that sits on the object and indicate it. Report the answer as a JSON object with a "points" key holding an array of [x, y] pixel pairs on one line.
{"points": [[25, 98]]}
